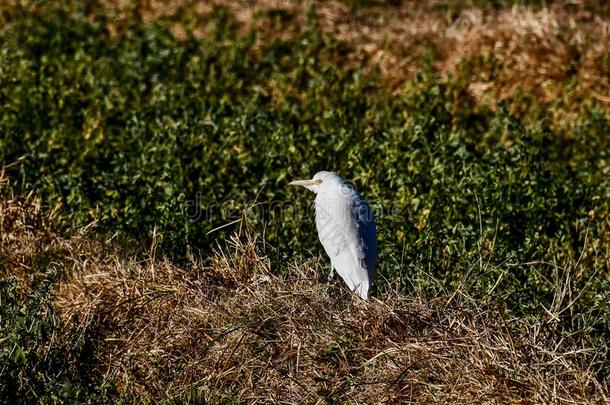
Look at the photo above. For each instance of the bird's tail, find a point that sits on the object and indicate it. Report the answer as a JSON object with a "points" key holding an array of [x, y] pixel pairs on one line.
{"points": [[362, 289]]}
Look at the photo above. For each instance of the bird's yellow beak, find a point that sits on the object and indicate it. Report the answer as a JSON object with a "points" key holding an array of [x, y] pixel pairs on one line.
{"points": [[305, 183]]}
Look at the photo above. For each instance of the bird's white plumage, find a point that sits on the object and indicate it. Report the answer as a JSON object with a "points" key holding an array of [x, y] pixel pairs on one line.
{"points": [[346, 228]]}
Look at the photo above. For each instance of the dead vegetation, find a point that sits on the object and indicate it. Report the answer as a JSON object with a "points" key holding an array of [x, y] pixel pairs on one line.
{"points": [[539, 50], [236, 330]]}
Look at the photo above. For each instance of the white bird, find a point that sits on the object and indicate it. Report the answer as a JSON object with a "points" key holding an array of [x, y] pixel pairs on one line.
{"points": [[346, 228]]}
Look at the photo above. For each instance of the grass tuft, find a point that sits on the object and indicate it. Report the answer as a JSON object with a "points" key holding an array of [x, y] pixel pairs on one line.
{"points": [[234, 330]]}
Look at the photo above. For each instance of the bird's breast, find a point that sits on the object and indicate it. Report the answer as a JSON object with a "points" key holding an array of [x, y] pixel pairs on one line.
{"points": [[335, 223]]}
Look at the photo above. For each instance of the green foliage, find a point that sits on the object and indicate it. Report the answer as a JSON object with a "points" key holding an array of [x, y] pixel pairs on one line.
{"points": [[143, 133]]}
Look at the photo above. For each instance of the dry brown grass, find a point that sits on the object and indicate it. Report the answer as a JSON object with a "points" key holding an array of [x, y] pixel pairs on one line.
{"points": [[508, 48], [236, 330]]}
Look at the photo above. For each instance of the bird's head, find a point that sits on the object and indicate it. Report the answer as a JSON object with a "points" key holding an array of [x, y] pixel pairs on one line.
{"points": [[320, 182]]}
